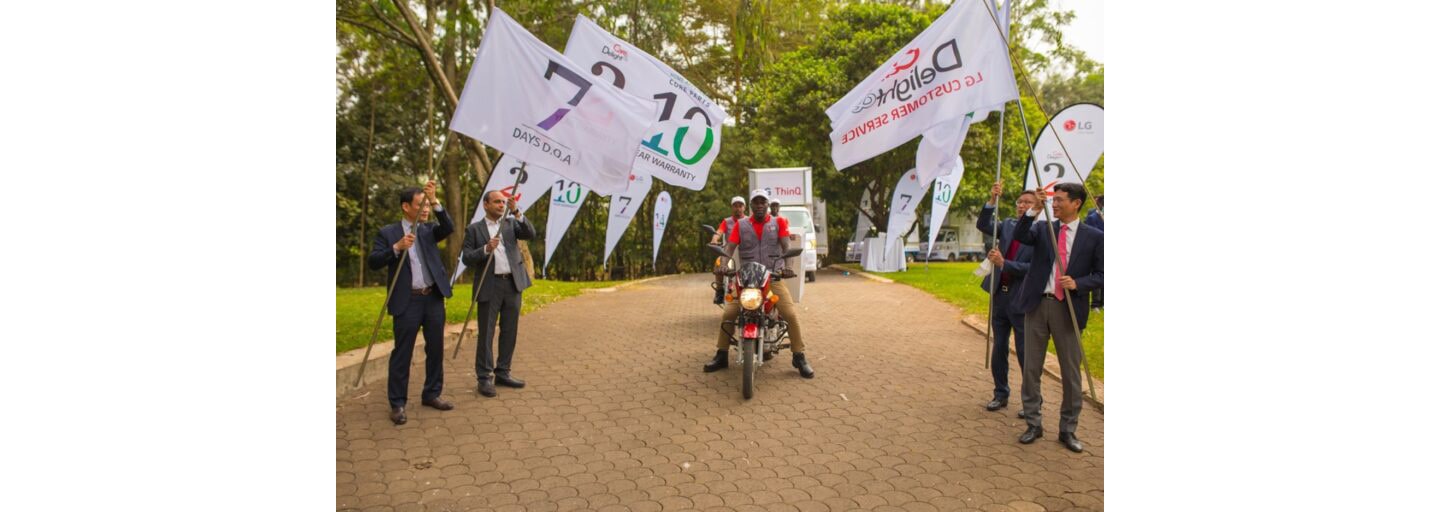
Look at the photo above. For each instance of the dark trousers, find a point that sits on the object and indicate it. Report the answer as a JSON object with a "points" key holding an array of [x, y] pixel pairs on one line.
{"points": [[507, 309], [1097, 298], [1005, 319], [427, 311], [1051, 319]]}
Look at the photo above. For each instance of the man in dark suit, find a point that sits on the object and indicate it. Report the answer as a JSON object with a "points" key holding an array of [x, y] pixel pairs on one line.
{"points": [[499, 296], [1011, 265], [418, 298], [1097, 215], [1048, 291], [1097, 218]]}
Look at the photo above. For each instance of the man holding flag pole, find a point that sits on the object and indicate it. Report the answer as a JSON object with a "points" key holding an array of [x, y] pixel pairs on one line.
{"points": [[530, 101], [960, 64], [420, 301], [1010, 260], [1076, 262], [1073, 262], [500, 279]]}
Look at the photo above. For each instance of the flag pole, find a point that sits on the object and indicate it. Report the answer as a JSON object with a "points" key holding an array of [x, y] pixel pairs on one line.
{"points": [[1049, 228], [1049, 121], [489, 262], [995, 244], [995, 227], [404, 258]]}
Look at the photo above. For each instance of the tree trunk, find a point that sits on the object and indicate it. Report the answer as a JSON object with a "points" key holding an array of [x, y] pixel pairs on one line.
{"points": [[365, 191], [437, 75], [449, 162]]}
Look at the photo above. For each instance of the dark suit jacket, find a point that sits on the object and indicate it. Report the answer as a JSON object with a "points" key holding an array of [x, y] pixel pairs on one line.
{"points": [[1086, 265], [477, 235], [1094, 219], [382, 253], [1015, 268]]}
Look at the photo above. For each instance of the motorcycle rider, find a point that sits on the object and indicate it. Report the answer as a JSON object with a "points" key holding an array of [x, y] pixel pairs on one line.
{"points": [[737, 212], [763, 238]]}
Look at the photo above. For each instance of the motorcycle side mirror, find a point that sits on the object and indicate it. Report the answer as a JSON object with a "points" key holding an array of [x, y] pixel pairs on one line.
{"points": [[793, 252], [709, 229]]}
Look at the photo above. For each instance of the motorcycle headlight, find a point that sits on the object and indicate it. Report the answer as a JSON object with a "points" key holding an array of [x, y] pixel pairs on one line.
{"points": [[750, 298]]}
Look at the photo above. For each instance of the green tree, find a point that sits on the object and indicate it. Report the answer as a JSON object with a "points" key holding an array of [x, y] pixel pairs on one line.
{"points": [[791, 127], [775, 64]]}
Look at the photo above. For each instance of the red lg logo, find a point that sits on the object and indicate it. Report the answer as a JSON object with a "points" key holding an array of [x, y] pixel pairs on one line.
{"points": [[1070, 125]]}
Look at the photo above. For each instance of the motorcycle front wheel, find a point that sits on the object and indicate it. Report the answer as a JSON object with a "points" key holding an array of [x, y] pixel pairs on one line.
{"points": [[747, 379]]}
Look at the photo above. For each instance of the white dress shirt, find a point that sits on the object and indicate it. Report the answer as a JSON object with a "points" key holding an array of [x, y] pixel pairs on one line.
{"points": [[502, 265], [419, 278], [1069, 243]]}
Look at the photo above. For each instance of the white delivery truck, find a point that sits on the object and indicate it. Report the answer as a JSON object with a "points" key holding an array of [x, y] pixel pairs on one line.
{"points": [[954, 244], [792, 188]]}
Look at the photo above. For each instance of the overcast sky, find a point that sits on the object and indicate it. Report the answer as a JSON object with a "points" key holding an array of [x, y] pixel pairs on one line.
{"points": [[1087, 32]]}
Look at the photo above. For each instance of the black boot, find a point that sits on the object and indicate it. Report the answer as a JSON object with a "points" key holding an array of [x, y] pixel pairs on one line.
{"points": [[798, 361], [721, 361]]}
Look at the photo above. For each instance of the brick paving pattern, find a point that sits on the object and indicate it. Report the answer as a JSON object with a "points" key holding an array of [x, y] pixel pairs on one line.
{"points": [[617, 415]]}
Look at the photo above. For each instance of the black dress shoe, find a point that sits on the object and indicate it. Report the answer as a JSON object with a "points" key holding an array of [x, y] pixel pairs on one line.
{"points": [[995, 405], [1068, 439], [438, 403], [721, 361], [509, 382], [487, 387], [1031, 434], [806, 371], [397, 415]]}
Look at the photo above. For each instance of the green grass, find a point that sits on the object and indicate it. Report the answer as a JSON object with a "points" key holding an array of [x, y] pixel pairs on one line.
{"points": [[957, 284], [357, 308]]}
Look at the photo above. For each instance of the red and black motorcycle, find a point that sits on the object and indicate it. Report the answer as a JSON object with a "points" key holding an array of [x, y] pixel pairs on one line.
{"points": [[759, 330]]}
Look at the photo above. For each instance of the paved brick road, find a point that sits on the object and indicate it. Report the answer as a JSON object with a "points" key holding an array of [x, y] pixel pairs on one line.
{"points": [[618, 416]]}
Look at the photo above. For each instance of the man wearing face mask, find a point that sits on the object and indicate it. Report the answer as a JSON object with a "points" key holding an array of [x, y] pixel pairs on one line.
{"points": [[1010, 260]]}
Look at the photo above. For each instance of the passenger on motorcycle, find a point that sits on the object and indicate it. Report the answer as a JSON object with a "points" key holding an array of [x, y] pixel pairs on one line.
{"points": [[737, 213], [763, 238]]}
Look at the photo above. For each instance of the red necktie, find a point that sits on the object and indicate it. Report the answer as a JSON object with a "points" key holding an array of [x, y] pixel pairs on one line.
{"points": [[1009, 255], [1060, 264]]}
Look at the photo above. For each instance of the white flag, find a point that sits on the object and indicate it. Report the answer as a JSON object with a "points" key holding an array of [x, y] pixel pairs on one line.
{"points": [[862, 223], [956, 66], [565, 199], [622, 210], [908, 193], [662, 217], [940, 198], [531, 102], [938, 148], [533, 183], [1082, 128], [681, 146]]}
